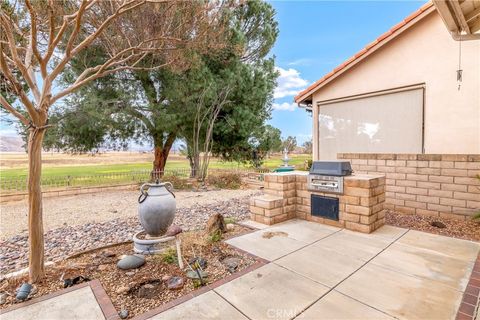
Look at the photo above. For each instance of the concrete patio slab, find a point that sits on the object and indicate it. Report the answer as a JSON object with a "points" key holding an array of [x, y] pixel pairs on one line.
{"points": [[267, 248], [400, 295], [387, 232], [321, 264], [353, 244], [426, 264], [304, 231], [77, 304], [271, 292], [335, 305], [206, 306], [456, 248]]}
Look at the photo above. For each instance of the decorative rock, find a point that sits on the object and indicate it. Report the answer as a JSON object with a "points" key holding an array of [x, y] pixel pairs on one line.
{"points": [[193, 275], [230, 227], [173, 230], [123, 314], [122, 290], [131, 262], [438, 224], [231, 264], [108, 254], [130, 273], [215, 223], [3, 298], [102, 267], [24, 291], [146, 291], [202, 262], [166, 277], [63, 241], [175, 283]]}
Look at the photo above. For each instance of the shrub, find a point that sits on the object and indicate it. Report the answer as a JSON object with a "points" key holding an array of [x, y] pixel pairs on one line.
{"points": [[170, 256], [215, 236], [178, 182], [225, 180]]}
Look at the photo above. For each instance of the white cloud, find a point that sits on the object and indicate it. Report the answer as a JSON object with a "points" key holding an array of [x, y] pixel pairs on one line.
{"points": [[289, 83], [300, 62], [285, 106]]}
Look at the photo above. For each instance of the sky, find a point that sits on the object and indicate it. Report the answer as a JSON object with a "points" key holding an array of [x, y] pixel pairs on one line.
{"points": [[315, 37]]}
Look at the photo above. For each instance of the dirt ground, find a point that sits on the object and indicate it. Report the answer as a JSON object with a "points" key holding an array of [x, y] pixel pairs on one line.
{"points": [[88, 208]]}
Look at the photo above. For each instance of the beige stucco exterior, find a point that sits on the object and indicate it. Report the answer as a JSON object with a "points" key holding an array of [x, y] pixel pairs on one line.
{"points": [[425, 54]]}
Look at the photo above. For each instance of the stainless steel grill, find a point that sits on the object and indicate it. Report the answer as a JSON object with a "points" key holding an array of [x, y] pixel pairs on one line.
{"points": [[327, 176]]}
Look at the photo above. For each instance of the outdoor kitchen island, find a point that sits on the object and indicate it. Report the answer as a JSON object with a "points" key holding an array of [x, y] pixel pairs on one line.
{"points": [[290, 195]]}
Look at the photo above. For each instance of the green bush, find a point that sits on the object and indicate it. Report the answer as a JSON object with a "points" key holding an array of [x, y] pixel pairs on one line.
{"points": [[170, 256], [215, 236], [225, 180], [177, 182]]}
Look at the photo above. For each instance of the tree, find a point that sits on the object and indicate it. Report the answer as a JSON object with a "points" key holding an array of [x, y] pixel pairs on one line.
{"points": [[290, 143], [39, 40], [265, 140], [157, 101], [307, 145]]}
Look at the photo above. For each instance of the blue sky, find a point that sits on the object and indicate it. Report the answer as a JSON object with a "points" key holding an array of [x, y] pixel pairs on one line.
{"points": [[317, 36]]}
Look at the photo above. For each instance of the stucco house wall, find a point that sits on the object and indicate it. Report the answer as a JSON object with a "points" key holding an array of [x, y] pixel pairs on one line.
{"points": [[423, 54]]}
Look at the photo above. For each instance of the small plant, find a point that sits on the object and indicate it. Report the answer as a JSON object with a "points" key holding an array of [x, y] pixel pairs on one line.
{"points": [[215, 236], [170, 256], [229, 220]]}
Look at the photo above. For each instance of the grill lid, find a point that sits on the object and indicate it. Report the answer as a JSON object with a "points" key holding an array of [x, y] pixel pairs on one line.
{"points": [[331, 168]]}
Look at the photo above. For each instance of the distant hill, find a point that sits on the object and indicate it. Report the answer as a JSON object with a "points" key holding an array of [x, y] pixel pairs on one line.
{"points": [[11, 144]]}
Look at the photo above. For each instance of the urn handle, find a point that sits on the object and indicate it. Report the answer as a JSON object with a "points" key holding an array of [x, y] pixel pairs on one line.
{"points": [[144, 193]]}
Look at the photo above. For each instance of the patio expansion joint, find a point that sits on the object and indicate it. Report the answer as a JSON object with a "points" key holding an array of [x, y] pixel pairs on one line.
{"points": [[335, 286], [307, 245], [217, 293]]}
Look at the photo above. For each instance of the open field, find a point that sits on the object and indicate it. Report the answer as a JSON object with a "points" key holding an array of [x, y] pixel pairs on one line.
{"points": [[62, 171], [14, 165]]}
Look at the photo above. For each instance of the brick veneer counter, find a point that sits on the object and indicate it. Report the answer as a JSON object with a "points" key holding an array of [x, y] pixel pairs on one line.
{"points": [[286, 197], [444, 185]]}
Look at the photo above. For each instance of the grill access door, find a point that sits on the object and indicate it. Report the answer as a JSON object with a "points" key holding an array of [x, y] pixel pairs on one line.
{"points": [[325, 207]]}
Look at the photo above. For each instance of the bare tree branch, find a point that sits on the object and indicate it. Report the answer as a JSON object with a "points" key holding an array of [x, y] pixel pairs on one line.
{"points": [[7, 106]]}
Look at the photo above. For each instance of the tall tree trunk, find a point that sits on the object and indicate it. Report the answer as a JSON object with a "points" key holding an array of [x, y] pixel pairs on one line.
{"points": [[35, 210], [161, 152]]}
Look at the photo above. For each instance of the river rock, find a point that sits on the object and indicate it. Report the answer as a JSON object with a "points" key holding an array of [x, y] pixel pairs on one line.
{"points": [[3, 298], [131, 262], [231, 264], [147, 291], [202, 262], [123, 314], [122, 290], [230, 226], [215, 223], [193, 275], [173, 230], [175, 283]]}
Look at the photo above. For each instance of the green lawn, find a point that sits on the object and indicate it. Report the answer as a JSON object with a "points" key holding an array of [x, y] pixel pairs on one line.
{"points": [[63, 176]]}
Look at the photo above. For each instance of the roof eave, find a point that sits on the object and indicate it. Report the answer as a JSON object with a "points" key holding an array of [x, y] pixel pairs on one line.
{"points": [[365, 52]]}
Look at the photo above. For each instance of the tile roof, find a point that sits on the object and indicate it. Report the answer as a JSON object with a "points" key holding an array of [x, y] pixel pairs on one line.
{"points": [[377, 42]]}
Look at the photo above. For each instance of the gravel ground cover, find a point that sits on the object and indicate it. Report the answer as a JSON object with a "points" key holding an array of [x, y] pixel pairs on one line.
{"points": [[70, 239], [94, 208], [141, 289], [463, 229]]}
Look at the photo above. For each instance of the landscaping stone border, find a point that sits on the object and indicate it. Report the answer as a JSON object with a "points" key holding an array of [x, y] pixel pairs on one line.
{"points": [[470, 304]]}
